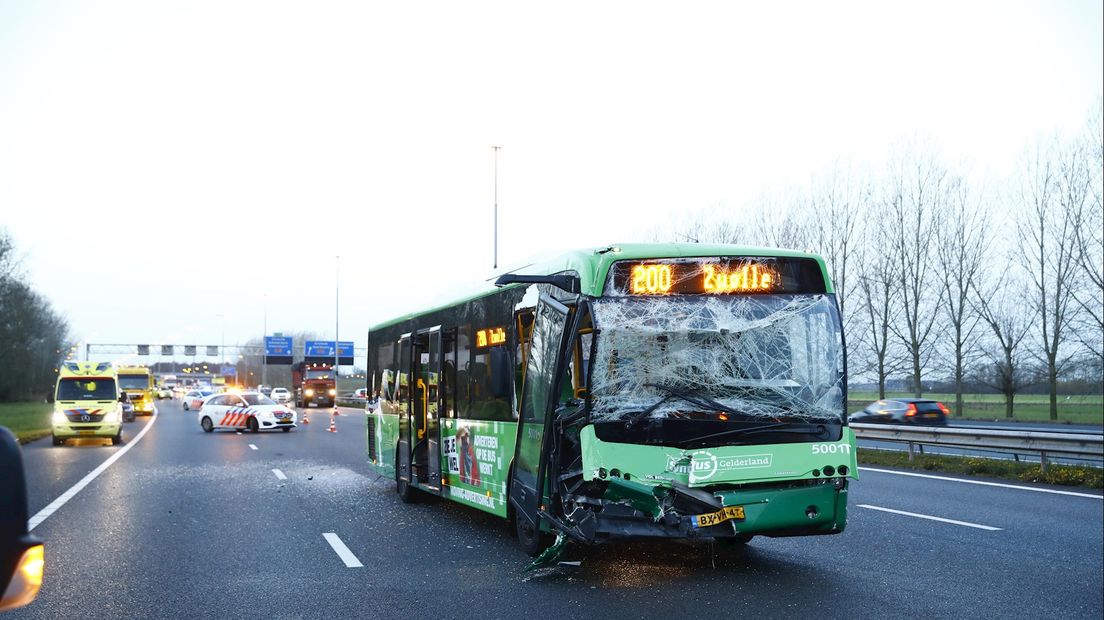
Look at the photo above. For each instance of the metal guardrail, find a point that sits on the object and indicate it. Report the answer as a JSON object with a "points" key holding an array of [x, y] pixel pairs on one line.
{"points": [[1044, 443], [350, 401]]}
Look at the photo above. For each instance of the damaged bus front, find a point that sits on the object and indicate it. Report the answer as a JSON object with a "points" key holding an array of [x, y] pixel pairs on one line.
{"points": [[689, 397]]}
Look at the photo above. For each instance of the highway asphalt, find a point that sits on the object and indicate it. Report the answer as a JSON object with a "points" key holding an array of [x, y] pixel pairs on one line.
{"points": [[187, 524]]}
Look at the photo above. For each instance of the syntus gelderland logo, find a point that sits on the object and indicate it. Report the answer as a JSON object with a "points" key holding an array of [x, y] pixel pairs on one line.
{"points": [[704, 464]]}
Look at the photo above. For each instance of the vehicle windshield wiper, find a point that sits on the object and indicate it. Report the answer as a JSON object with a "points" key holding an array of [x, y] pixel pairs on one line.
{"points": [[782, 427], [704, 402]]}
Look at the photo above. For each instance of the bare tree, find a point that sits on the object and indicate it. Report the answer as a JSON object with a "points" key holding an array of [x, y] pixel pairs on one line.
{"points": [[32, 335], [1053, 188], [838, 203], [916, 193], [1001, 308], [880, 299], [963, 242], [1090, 246]]}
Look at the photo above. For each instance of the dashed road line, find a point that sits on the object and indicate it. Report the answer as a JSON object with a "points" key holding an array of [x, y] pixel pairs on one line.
{"points": [[981, 482], [279, 474], [252, 447], [342, 551], [43, 514], [931, 518]]}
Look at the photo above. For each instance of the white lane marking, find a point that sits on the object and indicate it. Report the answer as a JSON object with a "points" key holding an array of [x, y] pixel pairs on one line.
{"points": [[342, 551], [981, 482], [279, 474], [929, 517], [43, 514], [252, 447]]}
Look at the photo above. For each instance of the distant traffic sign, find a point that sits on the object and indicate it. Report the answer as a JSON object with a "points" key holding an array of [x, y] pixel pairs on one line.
{"points": [[323, 351], [278, 350], [166, 349]]}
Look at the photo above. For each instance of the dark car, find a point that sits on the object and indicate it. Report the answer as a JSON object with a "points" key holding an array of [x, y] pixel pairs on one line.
{"points": [[903, 411], [128, 408]]}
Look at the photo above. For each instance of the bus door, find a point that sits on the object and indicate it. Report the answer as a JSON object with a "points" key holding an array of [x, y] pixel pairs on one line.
{"points": [[426, 423], [542, 368], [402, 459]]}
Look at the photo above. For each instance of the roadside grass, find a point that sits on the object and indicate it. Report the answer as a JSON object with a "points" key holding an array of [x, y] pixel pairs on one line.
{"points": [[1079, 409], [1068, 475], [29, 421]]}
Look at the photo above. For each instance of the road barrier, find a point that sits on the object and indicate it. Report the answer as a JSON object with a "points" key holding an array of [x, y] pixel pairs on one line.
{"points": [[1046, 444], [351, 401]]}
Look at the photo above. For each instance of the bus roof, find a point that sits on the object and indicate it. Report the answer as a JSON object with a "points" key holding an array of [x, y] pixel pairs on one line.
{"points": [[593, 264]]}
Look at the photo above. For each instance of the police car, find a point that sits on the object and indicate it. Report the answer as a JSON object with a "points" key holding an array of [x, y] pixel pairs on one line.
{"points": [[250, 411]]}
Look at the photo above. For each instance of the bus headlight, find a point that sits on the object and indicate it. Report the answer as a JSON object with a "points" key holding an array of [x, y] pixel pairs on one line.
{"points": [[58, 418]]}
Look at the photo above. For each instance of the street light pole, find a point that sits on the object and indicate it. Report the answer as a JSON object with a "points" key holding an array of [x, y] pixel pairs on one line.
{"points": [[496, 149], [337, 306], [264, 348]]}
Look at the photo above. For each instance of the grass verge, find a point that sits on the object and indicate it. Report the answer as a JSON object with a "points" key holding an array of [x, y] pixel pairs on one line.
{"points": [[29, 421], [1069, 475]]}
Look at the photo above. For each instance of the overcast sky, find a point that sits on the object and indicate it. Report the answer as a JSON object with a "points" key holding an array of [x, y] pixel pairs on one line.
{"points": [[162, 163]]}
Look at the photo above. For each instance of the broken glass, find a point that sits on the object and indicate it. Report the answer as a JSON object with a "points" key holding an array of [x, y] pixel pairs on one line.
{"points": [[762, 356]]}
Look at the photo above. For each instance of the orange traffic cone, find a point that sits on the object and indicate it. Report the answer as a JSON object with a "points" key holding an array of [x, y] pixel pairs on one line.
{"points": [[336, 411], [333, 427], [306, 415]]}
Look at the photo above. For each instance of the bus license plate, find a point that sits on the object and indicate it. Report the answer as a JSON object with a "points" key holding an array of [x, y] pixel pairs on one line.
{"points": [[722, 515]]}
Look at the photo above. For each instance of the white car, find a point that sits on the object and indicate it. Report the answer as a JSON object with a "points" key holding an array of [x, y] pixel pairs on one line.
{"points": [[281, 395], [250, 411]]}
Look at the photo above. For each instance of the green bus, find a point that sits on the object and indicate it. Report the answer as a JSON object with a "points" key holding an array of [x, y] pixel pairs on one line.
{"points": [[644, 390]]}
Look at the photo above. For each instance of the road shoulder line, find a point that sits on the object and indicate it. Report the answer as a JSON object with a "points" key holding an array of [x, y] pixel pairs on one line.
{"points": [[931, 518], [981, 482], [45, 513]]}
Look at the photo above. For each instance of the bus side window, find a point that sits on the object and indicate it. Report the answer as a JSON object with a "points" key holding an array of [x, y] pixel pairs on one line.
{"points": [[463, 372], [490, 385], [448, 372], [523, 322]]}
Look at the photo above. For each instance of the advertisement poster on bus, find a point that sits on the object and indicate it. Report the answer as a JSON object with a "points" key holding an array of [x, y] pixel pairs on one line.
{"points": [[476, 461]]}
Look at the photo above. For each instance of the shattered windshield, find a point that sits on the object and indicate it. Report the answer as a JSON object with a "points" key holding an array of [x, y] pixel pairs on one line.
{"points": [[765, 356]]}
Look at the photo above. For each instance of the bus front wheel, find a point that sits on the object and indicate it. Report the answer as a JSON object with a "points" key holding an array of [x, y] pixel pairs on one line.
{"points": [[532, 540]]}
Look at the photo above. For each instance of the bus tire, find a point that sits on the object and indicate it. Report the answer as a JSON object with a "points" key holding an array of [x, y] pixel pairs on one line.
{"points": [[531, 539]]}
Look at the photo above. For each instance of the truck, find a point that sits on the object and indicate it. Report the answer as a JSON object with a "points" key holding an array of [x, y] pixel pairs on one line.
{"points": [[137, 382], [313, 382]]}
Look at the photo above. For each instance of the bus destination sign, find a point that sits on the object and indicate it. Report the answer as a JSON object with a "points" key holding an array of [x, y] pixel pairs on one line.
{"points": [[490, 337], [716, 276]]}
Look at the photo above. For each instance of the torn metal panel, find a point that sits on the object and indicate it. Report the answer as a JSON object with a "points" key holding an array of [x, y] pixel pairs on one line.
{"points": [[763, 356]]}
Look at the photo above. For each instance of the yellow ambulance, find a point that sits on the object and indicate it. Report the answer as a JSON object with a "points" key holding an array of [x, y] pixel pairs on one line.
{"points": [[137, 382], [86, 402]]}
